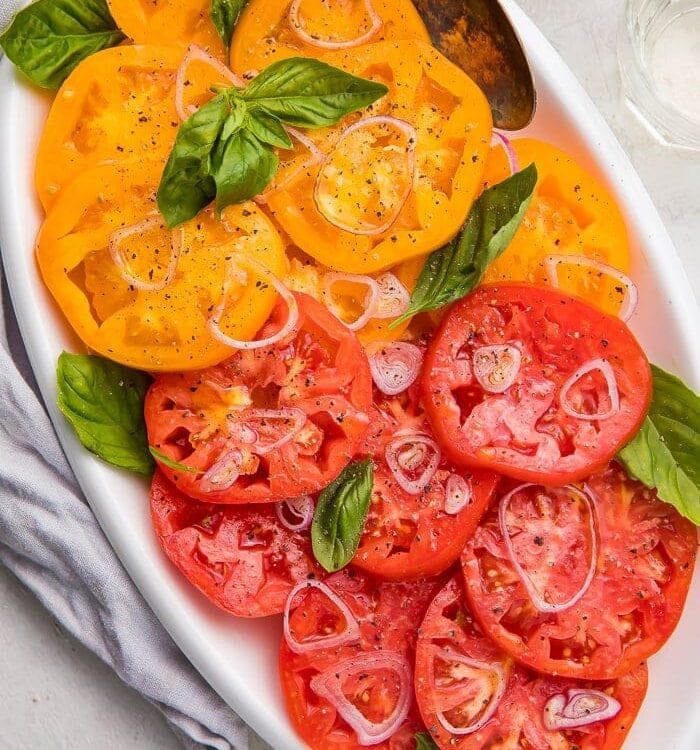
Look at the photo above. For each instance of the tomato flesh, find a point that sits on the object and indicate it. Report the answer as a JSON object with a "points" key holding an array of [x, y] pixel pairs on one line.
{"points": [[242, 559], [525, 432], [644, 564], [267, 424]]}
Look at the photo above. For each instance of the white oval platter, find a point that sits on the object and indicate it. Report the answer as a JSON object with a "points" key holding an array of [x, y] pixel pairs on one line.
{"points": [[239, 657]]}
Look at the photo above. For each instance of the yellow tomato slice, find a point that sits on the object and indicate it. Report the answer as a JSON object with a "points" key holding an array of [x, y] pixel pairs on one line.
{"points": [[367, 166], [571, 214], [176, 22], [266, 32], [145, 299]]}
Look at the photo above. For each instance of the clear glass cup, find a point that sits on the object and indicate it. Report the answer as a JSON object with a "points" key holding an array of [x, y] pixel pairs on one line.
{"points": [[659, 53]]}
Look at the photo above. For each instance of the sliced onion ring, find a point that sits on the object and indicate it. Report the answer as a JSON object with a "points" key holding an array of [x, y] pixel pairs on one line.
{"points": [[613, 391], [578, 708], [497, 670], [297, 417], [298, 28], [498, 139], [329, 685], [299, 507], [631, 298], [235, 272], [365, 122], [537, 601], [399, 461], [116, 239], [395, 365], [197, 53], [370, 302], [350, 634], [458, 494], [393, 297], [497, 367], [224, 473]]}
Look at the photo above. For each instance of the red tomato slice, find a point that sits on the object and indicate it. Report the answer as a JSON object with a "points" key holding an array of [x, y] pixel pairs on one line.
{"points": [[411, 536], [524, 431], [242, 559], [387, 614], [267, 424], [643, 558], [465, 682]]}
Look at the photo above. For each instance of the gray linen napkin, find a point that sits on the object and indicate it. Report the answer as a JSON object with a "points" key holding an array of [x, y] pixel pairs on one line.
{"points": [[51, 541]]}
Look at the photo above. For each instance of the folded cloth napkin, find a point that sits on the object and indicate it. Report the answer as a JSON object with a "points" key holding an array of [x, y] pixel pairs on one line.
{"points": [[51, 541]]}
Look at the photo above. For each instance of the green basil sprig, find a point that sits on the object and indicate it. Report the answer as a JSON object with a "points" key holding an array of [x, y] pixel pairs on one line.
{"points": [[425, 742], [47, 39], [340, 515], [224, 15], [225, 150], [103, 401], [665, 453], [454, 270]]}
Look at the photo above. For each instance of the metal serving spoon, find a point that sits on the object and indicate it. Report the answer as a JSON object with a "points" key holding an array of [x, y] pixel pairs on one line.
{"points": [[478, 37]]}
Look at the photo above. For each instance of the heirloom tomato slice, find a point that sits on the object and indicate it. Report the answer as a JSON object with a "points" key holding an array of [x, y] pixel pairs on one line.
{"points": [[140, 294], [372, 669], [571, 214], [168, 22], [118, 104], [384, 194], [580, 581], [472, 696], [266, 30], [411, 535], [534, 384], [242, 559], [270, 423]]}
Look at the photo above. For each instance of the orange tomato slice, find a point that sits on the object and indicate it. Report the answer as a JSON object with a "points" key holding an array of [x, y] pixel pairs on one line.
{"points": [[145, 300]]}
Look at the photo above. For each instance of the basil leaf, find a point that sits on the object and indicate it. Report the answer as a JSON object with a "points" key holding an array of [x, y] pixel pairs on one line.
{"points": [[268, 129], [242, 168], [425, 742], [309, 93], [340, 515], [103, 401], [163, 459], [48, 39], [224, 15], [454, 270], [665, 453], [187, 184]]}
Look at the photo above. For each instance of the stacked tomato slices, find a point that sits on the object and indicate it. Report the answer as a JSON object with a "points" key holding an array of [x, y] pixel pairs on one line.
{"points": [[510, 581]]}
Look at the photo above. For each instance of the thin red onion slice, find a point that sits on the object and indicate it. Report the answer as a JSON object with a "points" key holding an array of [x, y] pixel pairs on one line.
{"points": [[370, 302], [350, 634], [497, 367], [366, 122], [298, 28], [496, 670], [631, 298], [458, 494], [122, 264], [329, 685], [408, 453], [235, 272], [579, 708], [197, 53], [394, 365], [393, 297], [498, 139], [535, 597], [224, 473], [613, 391], [292, 415], [301, 508]]}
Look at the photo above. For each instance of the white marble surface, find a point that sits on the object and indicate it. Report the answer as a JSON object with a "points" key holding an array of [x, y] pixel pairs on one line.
{"points": [[57, 696]]}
